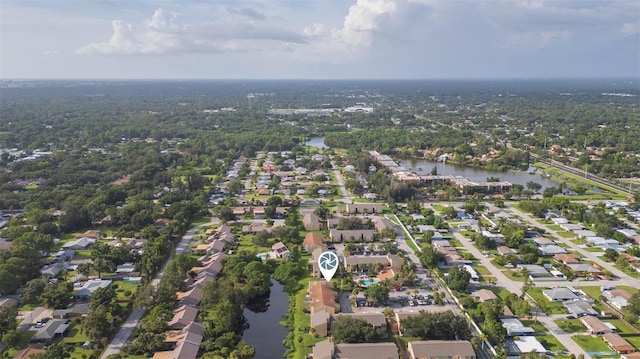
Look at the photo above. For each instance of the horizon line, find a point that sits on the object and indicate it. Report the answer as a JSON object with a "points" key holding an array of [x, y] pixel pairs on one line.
{"points": [[637, 78]]}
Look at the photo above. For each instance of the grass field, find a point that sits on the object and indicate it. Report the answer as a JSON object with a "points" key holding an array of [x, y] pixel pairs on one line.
{"points": [[550, 342], [592, 344], [570, 325]]}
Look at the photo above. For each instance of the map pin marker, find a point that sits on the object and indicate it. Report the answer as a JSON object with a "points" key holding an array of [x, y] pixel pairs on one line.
{"points": [[328, 263]]}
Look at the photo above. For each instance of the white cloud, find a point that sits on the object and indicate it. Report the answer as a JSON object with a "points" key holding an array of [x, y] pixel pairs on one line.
{"points": [[630, 28], [163, 34]]}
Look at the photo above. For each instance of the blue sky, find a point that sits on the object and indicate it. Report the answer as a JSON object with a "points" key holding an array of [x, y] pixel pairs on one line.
{"points": [[320, 39]]}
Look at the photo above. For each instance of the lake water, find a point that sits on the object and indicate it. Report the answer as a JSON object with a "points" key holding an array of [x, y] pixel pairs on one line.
{"points": [[476, 174], [263, 315], [316, 142]]}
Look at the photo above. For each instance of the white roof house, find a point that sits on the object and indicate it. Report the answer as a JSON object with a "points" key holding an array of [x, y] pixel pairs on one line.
{"points": [[86, 290], [560, 295]]}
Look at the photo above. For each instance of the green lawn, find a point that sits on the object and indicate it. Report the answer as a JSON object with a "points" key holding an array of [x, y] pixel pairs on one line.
{"points": [[591, 344], [482, 270], [75, 335], [537, 326], [302, 320], [550, 342], [513, 275], [570, 325], [565, 234]]}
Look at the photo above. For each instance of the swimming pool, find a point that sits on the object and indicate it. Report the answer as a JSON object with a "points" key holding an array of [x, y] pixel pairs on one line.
{"points": [[369, 282]]}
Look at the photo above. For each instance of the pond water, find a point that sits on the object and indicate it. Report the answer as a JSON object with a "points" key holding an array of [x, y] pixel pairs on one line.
{"points": [[477, 174], [263, 315], [317, 142]]}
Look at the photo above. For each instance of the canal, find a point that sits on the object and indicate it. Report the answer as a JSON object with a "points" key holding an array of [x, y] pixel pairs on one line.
{"points": [[263, 315]]}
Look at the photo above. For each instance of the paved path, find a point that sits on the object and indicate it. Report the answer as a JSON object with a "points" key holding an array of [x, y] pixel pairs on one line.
{"points": [[121, 338], [345, 194], [123, 334], [563, 338]]}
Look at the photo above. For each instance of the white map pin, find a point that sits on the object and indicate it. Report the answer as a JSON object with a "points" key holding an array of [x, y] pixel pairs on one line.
{"points": [[328, 263]]}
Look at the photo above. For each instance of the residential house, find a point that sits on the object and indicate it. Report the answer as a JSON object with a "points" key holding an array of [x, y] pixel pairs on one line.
{"points": [[619, 298], [635, 355], [191, 297], [92, 233], [566, 258], [377, 320], [584, 233], [484, 295], [186, 343], [311, 222], [312, 240], [535, 271], [161, 222], [77, 310], [439, 349], [87, 288], [594, 325], [364, 208], [52, 270], [617, 343], [8, 303], [280, 250], [183, 316], [126, 268], [580, 308], [51, 330], [571, 227], [383, 225], [560, 295], [79, 244], [323, 297], [551, 250], [584, 269], [64, 255], [390, 261], [359, 235], [504, 250], [515, 327], [440, 243], [542, 241], [320, 323], [327, 350], [315, 255]]}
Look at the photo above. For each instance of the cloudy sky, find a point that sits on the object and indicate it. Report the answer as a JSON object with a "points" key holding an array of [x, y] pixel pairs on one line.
{"points": [[319, 39]]}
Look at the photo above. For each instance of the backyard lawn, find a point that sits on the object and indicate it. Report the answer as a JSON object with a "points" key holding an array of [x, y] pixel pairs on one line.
{"points": [[591, 344], [570, 325]]}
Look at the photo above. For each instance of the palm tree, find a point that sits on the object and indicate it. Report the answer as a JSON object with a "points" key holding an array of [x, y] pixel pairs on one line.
{"points": [[483, 337], [388, 312]]}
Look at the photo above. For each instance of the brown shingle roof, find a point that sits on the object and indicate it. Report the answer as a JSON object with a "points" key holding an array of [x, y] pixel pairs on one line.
{"points": [[441, 348], [617, 343], [322, 295], [366, 351], [312, 238]]}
